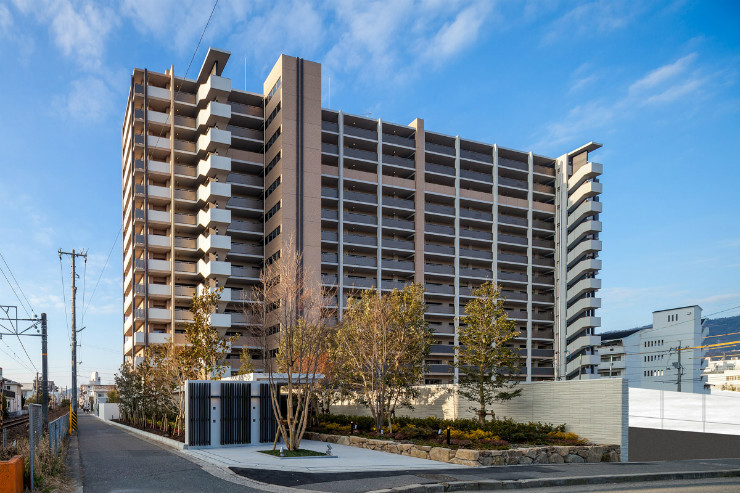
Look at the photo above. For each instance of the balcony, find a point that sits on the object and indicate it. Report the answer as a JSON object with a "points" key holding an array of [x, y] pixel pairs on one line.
{"points": [[154, 265], [439, 168], [184, 291], [246, 249], [585, 191], [185, 194], [511, 276], [582, 306], [588, 208], [584, 341], [584, 248], [220, 320], [214, 87], [439, 289], [248, 180], [245, 272], [476, 273], [582, 324], [359, 283], [215, 140], [583, 286], [245, 203], [588, 171], [399, 140], [159, 315], [214, 217], [582, 267], [582, 361], [352, 217], [512, 259], [390, 243], [214, 269], [584, 229], [355, 260], [215, 167], [246, 133], [186, 268], [361, 132], [439, 249], [405, 265], [398, 161], [350, 152], [214, 192], [186, 219], [214, 243], [158, 241], [361, 240], [155, 191], [213, 113]]}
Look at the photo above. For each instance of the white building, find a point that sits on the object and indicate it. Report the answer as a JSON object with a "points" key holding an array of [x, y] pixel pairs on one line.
{"points": [[723, 373], [651, 357], [12, 392], [94, 392]]}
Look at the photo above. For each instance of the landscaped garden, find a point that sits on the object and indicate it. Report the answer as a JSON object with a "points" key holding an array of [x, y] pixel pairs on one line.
{"points": [[496, 434]]}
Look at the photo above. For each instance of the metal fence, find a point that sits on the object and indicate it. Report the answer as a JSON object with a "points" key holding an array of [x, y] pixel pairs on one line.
{"points": [[58, 429]]}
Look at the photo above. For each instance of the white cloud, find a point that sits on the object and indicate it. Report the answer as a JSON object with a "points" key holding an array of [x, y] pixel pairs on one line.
{"points": [[592, 19], [89, 100], [666, 84], [79, 28], [662, 74], [453, 37], [6, 21]]}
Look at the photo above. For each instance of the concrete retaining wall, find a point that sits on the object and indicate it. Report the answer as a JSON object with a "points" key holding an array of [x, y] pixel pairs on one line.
{"points": [[594, 409], [467, 457]]}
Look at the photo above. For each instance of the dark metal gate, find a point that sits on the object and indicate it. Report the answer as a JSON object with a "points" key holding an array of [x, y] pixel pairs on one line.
{"points": [[199, 413], [268, 423], [236, 413]]}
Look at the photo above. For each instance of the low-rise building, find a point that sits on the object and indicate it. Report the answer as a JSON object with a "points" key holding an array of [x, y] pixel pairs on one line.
{"points": [[723, 373], [94, 392], [664, 356], [12, 392]]}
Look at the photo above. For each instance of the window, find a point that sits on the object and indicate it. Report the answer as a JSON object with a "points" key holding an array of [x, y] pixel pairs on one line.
{"points": [[272, 116], [272, 211], [272, 140], [273, 187], [273, 234], [272, 163]]}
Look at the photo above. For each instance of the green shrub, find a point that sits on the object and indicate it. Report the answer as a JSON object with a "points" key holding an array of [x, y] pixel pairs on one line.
{"points": [[466, 431]]}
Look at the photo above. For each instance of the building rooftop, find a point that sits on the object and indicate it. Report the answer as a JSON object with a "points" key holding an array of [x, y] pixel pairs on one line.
{"points": [[621, 334], [677, 308]]}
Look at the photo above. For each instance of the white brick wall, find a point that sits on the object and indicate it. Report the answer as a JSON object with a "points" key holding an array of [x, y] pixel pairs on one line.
{"points": [[594, 409]]}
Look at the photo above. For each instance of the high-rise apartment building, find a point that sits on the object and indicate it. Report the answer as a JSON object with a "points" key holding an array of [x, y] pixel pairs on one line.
{"points": [[216, 179]]}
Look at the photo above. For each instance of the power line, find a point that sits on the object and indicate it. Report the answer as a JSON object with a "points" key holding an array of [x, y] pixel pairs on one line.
{"points": [[64, 297], [15, 357], [99, 277], [16, 294], [18, 284]]}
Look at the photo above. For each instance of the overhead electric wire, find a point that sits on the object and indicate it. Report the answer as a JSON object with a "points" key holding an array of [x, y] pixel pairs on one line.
{"points": [[14, 292], [18, 284], [86, 306], [64, 297]]}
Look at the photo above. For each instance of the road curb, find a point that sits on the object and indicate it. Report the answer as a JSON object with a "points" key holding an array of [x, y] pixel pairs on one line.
{"points": [[145, 434], [74, 463], [494, 485]]}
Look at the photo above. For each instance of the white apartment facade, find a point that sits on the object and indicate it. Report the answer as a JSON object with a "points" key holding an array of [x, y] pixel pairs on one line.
{"points": [[215, 180], [652, 357], [723, 373]]}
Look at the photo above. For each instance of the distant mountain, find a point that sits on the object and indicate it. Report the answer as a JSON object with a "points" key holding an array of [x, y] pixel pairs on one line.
{"points": [[719, 326]]}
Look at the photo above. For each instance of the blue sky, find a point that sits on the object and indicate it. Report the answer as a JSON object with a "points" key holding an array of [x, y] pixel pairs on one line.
{"points": [[655, 82]]}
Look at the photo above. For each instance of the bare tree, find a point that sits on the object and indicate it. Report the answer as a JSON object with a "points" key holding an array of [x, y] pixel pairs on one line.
{"points": [[381, 346], [292, 321]]}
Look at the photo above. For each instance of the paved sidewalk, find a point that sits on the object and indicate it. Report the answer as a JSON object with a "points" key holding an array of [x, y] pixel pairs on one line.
{"points": [[346, 459]]}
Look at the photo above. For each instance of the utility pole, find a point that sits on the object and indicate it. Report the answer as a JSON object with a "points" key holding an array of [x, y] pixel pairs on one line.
{"points": [[74, 256], [44, 374], [680, 368]]}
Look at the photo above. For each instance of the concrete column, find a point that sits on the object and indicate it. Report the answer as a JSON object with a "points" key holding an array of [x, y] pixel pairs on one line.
{"points": [[530, 273], [457, 251], [340, 212], [379, 210]]}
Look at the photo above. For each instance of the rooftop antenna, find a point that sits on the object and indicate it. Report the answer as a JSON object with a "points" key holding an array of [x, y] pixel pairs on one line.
{"points": [[245, 74], [329, 76]]}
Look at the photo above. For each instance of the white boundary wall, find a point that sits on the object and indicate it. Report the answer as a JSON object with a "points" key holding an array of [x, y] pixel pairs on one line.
{"points": [[108, 411], [594, 409], [718, 412]]}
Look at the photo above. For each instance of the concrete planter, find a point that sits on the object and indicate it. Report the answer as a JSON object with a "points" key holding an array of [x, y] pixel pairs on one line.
{"points": [[532, 455], [11, 475]]}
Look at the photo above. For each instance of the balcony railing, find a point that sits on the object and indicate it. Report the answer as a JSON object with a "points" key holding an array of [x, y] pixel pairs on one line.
{"points": [[398, 161], [361, 261], [397, 264], [367, 198], [469, 252], [478, 156], [439, 168], [361, 132], [518, 221], [397, 139], [439, 148], [398, 202], [510, 163], [360, 218], [360, 154]]}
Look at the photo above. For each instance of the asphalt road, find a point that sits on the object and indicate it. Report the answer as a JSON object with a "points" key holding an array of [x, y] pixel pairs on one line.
{"points": [[719, 485], [114, 461]]}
